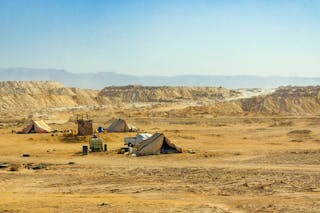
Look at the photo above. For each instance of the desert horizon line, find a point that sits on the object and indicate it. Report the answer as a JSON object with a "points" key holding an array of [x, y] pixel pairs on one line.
{"points": [[148, 75]]}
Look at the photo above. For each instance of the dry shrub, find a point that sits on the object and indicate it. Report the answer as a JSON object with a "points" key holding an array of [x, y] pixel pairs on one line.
{"points": [[282, 123], [185, 137], [300, 132], [74, 139]]}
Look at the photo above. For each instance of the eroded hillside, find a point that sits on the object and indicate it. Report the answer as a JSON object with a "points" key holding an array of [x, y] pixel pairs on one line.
{"points": [[160, 101], [284, 101], [137, 93], [24, 95], [31, 95]]}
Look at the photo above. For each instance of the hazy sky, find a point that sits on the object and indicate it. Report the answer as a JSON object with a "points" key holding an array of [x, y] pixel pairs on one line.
{"points": [[216, 37]]}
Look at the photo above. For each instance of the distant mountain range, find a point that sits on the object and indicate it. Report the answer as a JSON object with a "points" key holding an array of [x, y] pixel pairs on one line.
{"points": [[102, 79]]}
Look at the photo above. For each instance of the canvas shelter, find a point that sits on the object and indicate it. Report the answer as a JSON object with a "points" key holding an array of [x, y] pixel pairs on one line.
{"points": [[120, 125], [156, 144], [37, 127]]}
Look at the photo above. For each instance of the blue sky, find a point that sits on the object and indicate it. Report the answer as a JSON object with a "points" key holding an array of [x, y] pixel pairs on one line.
{"points": [[163, 37]]}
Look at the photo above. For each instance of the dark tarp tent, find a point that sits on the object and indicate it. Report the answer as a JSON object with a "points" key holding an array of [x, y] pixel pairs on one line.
{"points": [[120, 125], [156, 144]]}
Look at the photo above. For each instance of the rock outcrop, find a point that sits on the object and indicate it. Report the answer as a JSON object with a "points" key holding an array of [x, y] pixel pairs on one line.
{"points": [[284, 101], [137, 93]]}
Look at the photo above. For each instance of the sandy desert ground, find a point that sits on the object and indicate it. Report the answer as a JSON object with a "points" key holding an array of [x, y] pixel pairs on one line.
{"points": [[240, 164]]}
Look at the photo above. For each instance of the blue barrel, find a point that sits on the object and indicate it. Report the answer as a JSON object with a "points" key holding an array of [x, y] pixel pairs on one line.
{"points": [[100, 129], [85, 150]]}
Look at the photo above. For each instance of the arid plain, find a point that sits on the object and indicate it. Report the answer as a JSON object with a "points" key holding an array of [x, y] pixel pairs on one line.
{"points": [[232, 161]]}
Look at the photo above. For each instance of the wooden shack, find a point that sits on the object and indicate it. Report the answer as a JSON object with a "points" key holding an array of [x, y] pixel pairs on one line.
{"points": [[85, 127]]}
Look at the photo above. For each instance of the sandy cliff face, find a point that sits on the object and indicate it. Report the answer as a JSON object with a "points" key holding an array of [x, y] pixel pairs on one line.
{"points": [[24, 95], [38, 95], [284, 101], [28, 87], [33, 95], [136, 93]]}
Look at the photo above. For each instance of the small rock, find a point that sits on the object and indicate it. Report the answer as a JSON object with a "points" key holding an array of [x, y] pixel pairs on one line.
{"points": [[14, 167], [191, 151], [25, 155]]}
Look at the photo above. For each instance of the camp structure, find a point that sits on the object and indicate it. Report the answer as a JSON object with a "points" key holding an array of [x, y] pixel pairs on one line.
{"points": [[120, 125], [85, 127], [156, 144], [37, 127]]}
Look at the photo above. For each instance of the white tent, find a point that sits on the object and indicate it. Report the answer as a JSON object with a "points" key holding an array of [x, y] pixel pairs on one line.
{"points": [[37, 127]]}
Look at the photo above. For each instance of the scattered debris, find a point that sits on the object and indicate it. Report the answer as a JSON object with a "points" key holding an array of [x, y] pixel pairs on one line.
{"points": [[297, 140], [300, 132], [37, 166], [123, 150], [4, 165]]}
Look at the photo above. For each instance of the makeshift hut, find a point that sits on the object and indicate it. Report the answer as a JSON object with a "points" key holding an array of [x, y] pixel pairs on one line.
{"points": [[37, 127], [156, 144], [85, 127], [120, 125]]}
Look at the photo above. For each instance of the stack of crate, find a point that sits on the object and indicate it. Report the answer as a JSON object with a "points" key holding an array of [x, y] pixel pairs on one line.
{"points": [[96, 144]]}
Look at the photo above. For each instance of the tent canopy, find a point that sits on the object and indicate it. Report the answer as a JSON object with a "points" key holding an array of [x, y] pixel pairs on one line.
{"points": [[37, 127], [120, 125], [142, 137], [156, 144]]}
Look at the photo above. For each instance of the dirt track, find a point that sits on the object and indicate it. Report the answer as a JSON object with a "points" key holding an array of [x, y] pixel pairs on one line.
{"points": [[240, 165]]}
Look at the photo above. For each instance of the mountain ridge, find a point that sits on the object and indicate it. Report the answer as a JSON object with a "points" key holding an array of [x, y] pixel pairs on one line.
{"points": [[99, 80]]}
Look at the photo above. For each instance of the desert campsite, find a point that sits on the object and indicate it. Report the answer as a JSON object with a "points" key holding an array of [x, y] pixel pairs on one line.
{"points": [[159, 106], [226, 156]]}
